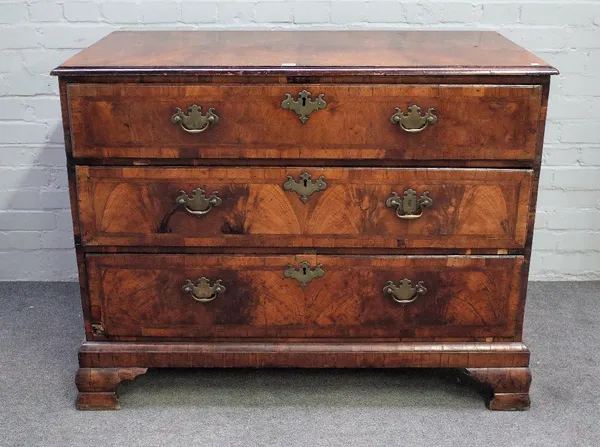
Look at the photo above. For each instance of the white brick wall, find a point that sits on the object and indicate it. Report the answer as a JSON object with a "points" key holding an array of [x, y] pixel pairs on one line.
{"points": [[35, 36]]}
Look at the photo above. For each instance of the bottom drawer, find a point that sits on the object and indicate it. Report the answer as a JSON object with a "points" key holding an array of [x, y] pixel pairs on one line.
{"points": [[214, 296]]}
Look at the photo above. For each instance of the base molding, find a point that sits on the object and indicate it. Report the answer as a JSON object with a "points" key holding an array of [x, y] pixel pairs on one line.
{"points": [[500, 369], [304, 355]]}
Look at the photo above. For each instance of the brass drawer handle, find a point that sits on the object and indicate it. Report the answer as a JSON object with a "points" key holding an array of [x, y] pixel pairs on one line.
{"points": [[198, 203], [408, 206], [304, 274], [304, 105], [413, 121], [194, 121], [305, 186], [203, 291], [404, 292]]}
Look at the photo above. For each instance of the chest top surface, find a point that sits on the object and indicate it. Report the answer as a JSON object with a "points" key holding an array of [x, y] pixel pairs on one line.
{"points": [[305, 53]]}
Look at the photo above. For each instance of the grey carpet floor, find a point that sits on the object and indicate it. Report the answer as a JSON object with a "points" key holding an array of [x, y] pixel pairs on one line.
{"points": [[40, 330]]}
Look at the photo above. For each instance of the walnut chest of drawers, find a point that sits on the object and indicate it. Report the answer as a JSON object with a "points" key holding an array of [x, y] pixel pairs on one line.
{"points": [[304, 199]]}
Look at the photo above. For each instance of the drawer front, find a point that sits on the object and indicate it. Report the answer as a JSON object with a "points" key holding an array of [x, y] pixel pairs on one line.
{"points": [[472, 122], [272, 207], [327, 296]]}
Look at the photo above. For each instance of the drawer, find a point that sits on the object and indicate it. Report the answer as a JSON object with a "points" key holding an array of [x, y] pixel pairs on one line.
{"points": [[472, 122], [304, 296], [274, 207]]}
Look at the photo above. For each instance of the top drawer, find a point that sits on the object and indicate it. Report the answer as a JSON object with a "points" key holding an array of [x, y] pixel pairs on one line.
{"points": [[469, 122]]}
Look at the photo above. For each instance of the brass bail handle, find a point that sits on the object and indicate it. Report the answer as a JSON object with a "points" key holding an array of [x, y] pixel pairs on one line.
{"points": [[202, 291], [408, 206], [413, 121], [404, 292], [195, 121], [198, 203]]}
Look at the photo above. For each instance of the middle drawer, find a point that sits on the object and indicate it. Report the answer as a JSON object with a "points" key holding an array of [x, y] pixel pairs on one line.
{"points": [[304, 207]]}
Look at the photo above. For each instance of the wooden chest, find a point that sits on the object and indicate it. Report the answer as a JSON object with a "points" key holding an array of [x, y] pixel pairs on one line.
{"points": [[304, 199]]}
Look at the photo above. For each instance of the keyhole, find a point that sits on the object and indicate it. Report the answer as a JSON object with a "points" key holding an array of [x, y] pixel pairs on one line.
{"points": [[304, 270], [303, 102], [305, 183]]}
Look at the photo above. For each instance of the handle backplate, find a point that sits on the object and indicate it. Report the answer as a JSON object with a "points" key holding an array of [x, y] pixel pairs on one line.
{"points": [[409, 206], [195, 121], [198, 203], [404, 292], [413, 121], [203, 291]]}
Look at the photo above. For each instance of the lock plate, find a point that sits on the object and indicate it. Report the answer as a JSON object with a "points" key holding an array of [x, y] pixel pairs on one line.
{"points": [[304, 274], [304, 105], [305, 186]]}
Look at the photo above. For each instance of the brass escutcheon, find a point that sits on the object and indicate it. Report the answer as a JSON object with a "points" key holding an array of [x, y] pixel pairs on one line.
{"points": [[203, 291], [198, 203], [413, 121], [408, 206], [404, 292], [194, 121], [304, 274], [304, 105], [305, 187]]}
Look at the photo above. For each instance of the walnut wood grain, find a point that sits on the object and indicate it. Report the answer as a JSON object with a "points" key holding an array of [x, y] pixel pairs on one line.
{"points": [[347, 354], [136, 206], [138, 296], [98, 386], [475, 122], [305, 53]]}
